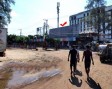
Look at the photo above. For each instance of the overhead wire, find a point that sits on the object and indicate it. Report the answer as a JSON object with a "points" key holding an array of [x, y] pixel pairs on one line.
{"points": [[35, 25]]}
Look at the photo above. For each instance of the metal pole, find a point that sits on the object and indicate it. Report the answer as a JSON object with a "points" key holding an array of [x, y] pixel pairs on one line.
{"points": [[20, 32], [58, 5], [58, 21], [40, 31], [44, 29], [46, 25]]}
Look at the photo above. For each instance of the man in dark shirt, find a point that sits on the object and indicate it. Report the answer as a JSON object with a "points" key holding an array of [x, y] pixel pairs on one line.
{"points": [[87, 54], [74, 57]]}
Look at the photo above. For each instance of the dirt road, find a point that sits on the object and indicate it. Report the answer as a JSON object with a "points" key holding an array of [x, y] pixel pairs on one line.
{"points": [[101, 74]]}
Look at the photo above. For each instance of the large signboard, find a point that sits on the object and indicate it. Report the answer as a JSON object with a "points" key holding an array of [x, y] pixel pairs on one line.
{"points": [[3, 39]]}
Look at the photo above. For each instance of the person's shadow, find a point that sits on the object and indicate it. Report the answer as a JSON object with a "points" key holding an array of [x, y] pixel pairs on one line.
{"points": [[93, 84], [75, 81], [77, 72]]}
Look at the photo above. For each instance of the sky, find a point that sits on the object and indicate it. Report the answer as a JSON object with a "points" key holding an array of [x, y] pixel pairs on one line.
{"points": [[28, 15]]}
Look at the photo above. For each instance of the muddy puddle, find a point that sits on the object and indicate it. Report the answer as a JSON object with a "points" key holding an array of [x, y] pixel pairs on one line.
{"points": [[23, 77], [24, 73]]}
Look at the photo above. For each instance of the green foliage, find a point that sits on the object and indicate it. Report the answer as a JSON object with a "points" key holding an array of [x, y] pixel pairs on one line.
{"points": [[11, 38], [97, 12], [92, 4], [30, 36], [17, 39], [5, 9], [50, 40], [21, 39], [108, 20]]}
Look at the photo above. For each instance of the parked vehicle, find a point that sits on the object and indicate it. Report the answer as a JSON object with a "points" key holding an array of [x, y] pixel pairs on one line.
{"points": [[101, 48], [3, 41], [106, 54]]}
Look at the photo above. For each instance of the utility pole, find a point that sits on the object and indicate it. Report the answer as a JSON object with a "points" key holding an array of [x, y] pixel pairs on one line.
{"points": [[44, 29], [58, 5], [45, 26], [20, 32], [38, 29], [45, 33]]}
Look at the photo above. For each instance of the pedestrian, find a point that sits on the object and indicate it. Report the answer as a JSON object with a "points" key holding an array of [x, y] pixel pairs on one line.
{"points": [[74, 58], [87, 55]]}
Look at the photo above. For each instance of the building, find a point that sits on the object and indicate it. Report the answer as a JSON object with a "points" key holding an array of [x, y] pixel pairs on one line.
{"points": [[64, 32], [66, 35], [88, 30], [82, 30]]}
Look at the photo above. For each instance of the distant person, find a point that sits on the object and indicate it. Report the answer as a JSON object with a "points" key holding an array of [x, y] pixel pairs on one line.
{"points": [[74, 57], [87, 55]]}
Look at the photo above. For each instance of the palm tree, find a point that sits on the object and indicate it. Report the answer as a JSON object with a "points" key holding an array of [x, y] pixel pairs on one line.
{"points": [[5, 9]]}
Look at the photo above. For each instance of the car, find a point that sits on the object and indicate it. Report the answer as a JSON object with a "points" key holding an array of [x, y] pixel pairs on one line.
{"points": [[106, 54]]}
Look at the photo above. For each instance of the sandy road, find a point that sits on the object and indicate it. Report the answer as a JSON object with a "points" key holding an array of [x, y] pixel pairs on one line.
{"points": [[101, 74]]}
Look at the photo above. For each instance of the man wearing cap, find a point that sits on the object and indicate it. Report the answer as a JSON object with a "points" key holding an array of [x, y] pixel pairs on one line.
{"points": [[74, 57], [87, 55]]}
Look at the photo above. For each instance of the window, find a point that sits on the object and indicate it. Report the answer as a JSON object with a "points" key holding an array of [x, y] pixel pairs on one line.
{"points": [[84, 15], [87, 14]]}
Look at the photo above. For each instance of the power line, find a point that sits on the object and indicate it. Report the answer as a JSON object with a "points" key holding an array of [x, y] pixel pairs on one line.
{"points": [[41, 21], [35, 24]]}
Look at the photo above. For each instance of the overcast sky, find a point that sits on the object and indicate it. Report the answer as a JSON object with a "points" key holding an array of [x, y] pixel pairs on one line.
{"points": [[29, 14]]}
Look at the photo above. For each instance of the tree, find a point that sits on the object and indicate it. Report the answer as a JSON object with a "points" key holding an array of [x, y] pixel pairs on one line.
{"points": [[11, 39], [5, 9], [108, 21], [97, 13]]}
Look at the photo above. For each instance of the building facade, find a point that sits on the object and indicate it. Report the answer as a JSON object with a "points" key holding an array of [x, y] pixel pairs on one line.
{"points": [[85, 28], [67, 33], [78, 27]]}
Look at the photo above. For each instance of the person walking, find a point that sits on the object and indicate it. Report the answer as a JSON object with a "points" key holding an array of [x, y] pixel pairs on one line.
{"points": [[74, 58], [87, 56]]}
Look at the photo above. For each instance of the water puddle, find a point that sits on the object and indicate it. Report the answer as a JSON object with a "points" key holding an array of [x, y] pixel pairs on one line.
{"points": [[22, 76]]}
